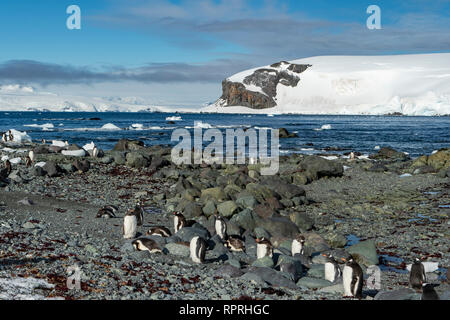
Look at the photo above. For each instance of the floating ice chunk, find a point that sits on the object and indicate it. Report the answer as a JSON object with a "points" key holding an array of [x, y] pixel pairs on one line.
{"points": [[200, 124], [174, 118], [110, 126], [435, 151], [377, 148], [428, 265], [137, 126]]}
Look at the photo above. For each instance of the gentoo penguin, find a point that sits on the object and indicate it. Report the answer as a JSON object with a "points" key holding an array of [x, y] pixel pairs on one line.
{"points": [[198, 249], [428, 292], [352, 278], [95, 152], [352, 155], [32, 156], [221, 226], [235, 243], [11, 137], [332, 270], [297, 245], [108, 211], [138, 211], [4, 137], [43, 141], [263, 248], [159, 231], [146, 245], [28, 161], [8, 167], [129, 225], [417, 276], [66, 143], [179, 221]]}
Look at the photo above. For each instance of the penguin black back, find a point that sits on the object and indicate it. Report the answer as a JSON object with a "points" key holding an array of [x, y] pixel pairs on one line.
{"points": [[428, 292], [417, 276]]}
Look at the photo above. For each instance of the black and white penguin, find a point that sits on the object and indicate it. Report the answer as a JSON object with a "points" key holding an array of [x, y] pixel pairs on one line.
{"points": [[159, 231], [352, 278], [332, 270], [10, 136], [130, 225], [138, 211], [263, 248], [417, 276], [144, 244], [4, 137], [43, 141], [179, 221], [32, 156], [428, 292], [235, 243], [298, 245], [95, 152], [6, 171], [28, 161], [107, 211], [221, 226], [198, 249]]}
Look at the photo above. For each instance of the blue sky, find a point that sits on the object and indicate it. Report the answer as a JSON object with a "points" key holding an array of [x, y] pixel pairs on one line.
{"points": [[157, 42]]}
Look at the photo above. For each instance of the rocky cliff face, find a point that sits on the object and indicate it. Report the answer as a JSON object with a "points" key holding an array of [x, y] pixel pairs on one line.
{"points": [[259, 89]]}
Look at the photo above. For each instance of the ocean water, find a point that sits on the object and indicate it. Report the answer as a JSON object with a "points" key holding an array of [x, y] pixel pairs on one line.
{"points": [[317, 134]]}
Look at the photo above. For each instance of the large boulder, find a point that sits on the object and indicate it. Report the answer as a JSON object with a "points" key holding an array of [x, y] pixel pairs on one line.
{"points": [[318, 167], [187, 233], [52, 169], [278, 226], [302, 221], [227, 208], [389, 153], [128, 145], [137, 160], [438, 160], [364, 252]]}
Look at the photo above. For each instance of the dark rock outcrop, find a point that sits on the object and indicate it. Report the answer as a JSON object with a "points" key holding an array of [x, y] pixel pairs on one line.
{"points": [[237, 94]]}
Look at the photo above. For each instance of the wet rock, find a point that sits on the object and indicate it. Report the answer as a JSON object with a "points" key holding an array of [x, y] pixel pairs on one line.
{"points": [[52, 169], [178, 249], [137, 160], [283, 134], [265, 262], [313, 283], [227, 208], [82, 165], [364, 253], [128, 145], [318, 167], [400, 294], [302, 221]]}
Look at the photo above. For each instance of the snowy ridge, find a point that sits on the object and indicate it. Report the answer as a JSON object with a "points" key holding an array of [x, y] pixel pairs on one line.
{"points": [[404, 84]]}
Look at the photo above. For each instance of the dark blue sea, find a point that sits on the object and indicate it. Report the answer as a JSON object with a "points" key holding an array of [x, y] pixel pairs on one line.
{"points": [[317, 134]]}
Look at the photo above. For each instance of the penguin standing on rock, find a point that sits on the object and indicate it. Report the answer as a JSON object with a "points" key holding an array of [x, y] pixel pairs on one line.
{"points": [[417, 276], [428, 292], [130, 225], [4, 137], [11, 137], [159, 231], [6, 171], [179, 221], [263, 248], [32, 156], [352, 278], [298, 245], [198, 249], [28, 161], [332, 270], [221, 226], [95, 152], [146, 245]]}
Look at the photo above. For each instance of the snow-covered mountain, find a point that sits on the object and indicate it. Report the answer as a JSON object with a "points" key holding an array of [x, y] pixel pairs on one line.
{"points": [[24, 98], [400, 84]]}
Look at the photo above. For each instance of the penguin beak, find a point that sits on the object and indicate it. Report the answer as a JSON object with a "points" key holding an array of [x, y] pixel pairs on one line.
{"points": [[343, 259]]}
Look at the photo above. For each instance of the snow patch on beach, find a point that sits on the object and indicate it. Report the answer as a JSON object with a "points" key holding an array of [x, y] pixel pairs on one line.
{"points": [[22, 288]]}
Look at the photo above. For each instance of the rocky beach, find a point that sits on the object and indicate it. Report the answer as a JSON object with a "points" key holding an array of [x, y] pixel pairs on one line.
{"points": [[384, 210]]}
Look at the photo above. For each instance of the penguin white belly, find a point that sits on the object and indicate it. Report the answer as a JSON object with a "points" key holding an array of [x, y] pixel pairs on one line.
{"points": [[194, 250], [330, 272], [220, 229], [175, 223], [296, 247], [129, 227], [261, 251], [347, 275]]}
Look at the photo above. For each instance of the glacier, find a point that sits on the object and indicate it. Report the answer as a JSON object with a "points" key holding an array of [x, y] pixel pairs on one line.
{"points": [[416, 85]]}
